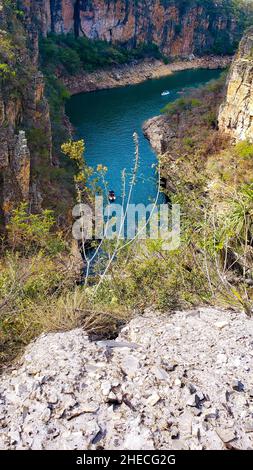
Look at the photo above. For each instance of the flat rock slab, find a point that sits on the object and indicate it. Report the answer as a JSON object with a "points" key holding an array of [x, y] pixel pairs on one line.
{"points": [[178, 381]]}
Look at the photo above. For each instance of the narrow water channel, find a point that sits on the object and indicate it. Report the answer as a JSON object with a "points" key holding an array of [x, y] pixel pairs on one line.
{"points": [[106, 120]]}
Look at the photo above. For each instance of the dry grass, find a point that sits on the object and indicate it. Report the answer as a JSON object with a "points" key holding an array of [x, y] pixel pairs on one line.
{"points": [[40, 295]]}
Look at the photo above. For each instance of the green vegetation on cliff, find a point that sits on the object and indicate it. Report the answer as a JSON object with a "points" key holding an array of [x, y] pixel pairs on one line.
{"points": [[69, 55]]}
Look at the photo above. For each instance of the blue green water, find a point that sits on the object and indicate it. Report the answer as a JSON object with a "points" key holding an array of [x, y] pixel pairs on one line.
{"points": [[106, 120]]}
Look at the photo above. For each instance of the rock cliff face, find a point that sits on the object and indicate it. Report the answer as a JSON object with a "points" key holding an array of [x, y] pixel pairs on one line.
{"points": [[176, 26], [236, 113], [23, 107], [177, 381]]}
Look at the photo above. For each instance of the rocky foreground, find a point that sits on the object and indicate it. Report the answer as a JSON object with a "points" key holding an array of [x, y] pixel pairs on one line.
{"points": [[178, 381]]}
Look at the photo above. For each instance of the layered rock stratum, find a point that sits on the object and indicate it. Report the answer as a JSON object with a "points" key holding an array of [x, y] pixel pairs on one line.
{"points": [[236, 113], [177, 27], [181, 380]]}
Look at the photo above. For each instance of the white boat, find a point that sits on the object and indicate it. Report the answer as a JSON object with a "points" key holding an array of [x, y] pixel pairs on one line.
{"points": [[165, 93]]}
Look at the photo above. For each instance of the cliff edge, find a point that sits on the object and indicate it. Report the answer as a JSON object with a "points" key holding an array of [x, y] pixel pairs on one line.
{"points": [[236, 113]]}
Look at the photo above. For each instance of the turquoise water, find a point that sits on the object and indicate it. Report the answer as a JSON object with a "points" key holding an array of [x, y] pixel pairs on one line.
{"points": [[106, 120]]}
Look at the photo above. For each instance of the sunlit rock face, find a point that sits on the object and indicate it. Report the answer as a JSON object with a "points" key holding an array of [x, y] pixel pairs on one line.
{"points": [[23, 108], [176, 26], [236, 113]]}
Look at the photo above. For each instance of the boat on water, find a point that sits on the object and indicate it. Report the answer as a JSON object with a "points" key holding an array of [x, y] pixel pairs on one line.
{"points": [[165, 93], [112, 196]]}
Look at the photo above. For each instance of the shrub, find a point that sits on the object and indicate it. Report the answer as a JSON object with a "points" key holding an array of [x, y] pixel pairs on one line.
{"points": [[244, 150], [181, 104], [33, 232], [7, 57], [211, 120], [188, 142], [29, 286], [71, 54], [6, 72], [70, 60]]}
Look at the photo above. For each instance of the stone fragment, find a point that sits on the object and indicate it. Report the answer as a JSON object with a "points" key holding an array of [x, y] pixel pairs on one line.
{"points": [[196, 411], [174, 432], [46, 415], [52, 398], [153, 399], [226, 435], [180, 444], [112, 396], [67, 388], [221, 324], [212, 414], [130, 365], [171, 366], [237, 385], [117, 344], [196, 430], [178, 382], [160, 373], [196, 400], [106, 388], [185, 423], [191, 401], [192, 389], [222, 358], [248, 427], [14, 436], [199, 397], [83, 409]]}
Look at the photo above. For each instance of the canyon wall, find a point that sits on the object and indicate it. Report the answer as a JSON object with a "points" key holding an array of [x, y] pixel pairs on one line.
{"points": [[178, 27], [24, 115], [236, 113]]}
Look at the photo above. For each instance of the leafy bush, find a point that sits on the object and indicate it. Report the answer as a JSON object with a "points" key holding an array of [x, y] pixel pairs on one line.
{"points": [[7, 57], [70, 54], [211, 120], [6, 72], [188, 142], [181, 104], [244, 150], [70, 60], [33, 232]]}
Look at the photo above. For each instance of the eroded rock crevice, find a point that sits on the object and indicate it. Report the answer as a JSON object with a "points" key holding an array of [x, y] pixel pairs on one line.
{"points": [[77, 18]]}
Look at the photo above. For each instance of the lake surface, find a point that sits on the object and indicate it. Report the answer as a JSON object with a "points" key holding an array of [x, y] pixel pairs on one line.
{"points": [[107, 119]]}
